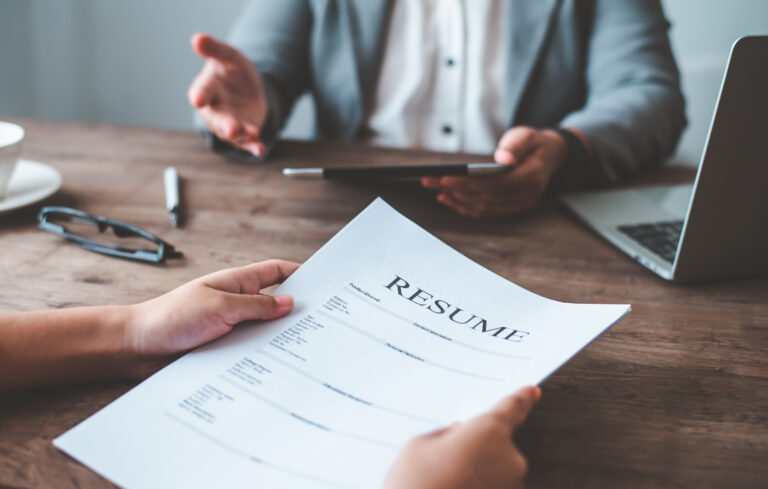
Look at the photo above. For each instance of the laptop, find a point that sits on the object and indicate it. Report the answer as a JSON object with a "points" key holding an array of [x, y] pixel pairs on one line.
{"points": [[716, 227]]}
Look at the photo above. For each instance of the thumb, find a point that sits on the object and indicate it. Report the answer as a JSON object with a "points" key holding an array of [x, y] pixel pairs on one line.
{"points": [[515, 145], [206, 46], [441, 431], [515, 408], [244, 307]]}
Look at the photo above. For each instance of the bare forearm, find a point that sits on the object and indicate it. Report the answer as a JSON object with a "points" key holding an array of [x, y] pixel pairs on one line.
{"points": [[89, 343], [66, 345]]}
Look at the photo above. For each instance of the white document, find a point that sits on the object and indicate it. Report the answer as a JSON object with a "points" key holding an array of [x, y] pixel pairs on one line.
{"points": [[393, 334]]}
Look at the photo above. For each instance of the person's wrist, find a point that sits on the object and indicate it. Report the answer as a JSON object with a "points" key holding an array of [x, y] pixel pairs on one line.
{"points": [[578, 165], [137, 363], [558, 147], [260, 96], [264, 114]]}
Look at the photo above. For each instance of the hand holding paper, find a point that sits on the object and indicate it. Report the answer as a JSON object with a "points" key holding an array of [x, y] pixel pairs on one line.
{"points": [[393, 334], [479, 453], [90, 343], [207, 308]]}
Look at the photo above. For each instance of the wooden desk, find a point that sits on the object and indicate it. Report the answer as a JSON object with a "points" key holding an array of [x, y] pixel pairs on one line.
{"points": [[676, 395]]}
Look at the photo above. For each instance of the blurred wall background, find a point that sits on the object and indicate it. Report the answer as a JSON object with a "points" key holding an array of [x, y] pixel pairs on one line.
{"points": [[129, 62]]}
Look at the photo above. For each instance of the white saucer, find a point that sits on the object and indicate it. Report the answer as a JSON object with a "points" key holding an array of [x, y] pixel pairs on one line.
{"points": [[31, 182]]}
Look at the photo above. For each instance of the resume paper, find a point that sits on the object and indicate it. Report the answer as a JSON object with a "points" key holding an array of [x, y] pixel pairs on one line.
{"points": [[393, 334]]}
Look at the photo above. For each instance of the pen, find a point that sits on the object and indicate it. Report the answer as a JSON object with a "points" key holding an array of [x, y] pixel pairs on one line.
{"points": [[413, 171], [171, 180]]}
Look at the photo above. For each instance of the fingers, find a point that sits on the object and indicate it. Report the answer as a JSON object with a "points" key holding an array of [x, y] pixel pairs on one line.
{"points": [[228, 95], [210, 48], [230, 129], [241, 307], [244, 136], [251, 131], [266, 273], [250, 279], [515, 191], [514, 409], [479, 209], [515, 145], [256, 148], [483, 185], [203, 91], [468, 185], [227, 128], [223, 125], [474, 209]]}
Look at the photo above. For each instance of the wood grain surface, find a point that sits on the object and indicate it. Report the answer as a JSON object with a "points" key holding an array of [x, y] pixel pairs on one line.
{"points": [[674, 396]]}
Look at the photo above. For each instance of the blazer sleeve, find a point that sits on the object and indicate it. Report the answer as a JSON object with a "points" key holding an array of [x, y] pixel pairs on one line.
{"points": [[634, 111], [274, 36]]}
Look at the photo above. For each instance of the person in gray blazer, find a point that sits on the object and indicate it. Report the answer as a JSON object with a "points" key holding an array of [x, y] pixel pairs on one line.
{"points": [[570, 92]]}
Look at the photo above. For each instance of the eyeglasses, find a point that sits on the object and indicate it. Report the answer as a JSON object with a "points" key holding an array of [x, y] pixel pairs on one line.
{"points": [[52, 219]]}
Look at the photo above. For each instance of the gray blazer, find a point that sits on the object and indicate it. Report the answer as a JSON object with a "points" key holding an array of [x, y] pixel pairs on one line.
{"points": [[602, 66]]}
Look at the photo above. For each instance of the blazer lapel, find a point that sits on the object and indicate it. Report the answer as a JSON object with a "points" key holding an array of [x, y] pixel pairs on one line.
{"points": [[363, 25], [367, 22], [530, 23]]}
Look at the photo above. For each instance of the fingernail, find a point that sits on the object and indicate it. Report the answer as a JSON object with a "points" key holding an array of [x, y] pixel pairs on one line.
{"points": [[430, 182], [284, 301], [536, 394], [504, 157]]}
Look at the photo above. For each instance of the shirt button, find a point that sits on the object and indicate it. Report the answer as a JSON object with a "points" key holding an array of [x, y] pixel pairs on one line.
{"points": [[450, 62], [447, 129]]}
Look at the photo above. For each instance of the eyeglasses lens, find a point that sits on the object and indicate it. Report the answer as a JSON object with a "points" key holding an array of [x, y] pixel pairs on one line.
{"points": [[114, 236]]}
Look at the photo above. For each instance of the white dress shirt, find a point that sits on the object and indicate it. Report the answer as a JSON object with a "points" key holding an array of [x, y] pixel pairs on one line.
{"points": [[442, 80]]}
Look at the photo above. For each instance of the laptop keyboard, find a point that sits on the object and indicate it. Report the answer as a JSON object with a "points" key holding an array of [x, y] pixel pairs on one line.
{"points": [[659, 237]]}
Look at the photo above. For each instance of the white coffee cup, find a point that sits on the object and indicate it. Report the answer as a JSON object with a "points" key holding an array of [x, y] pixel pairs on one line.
{"points": [[11, 137]]}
